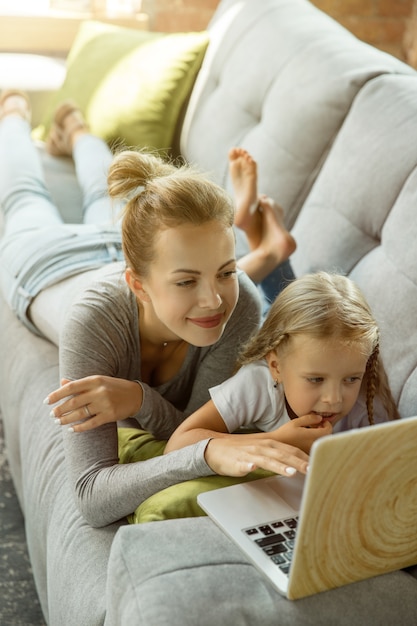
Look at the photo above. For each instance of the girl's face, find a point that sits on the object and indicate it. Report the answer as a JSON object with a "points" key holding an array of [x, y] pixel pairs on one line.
{"points": [[321, 376], [192, 288]]}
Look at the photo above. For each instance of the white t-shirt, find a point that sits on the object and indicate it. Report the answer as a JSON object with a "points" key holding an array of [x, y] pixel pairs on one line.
{"points": [[249, 399]]}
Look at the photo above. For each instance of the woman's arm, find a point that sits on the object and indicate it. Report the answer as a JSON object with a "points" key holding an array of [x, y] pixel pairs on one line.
{"points": [[94, 401], [106, 491]]}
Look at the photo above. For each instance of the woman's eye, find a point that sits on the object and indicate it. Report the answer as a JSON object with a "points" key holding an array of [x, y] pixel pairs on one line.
{"points": [[315, 380], [228, 274], [185, 283]]}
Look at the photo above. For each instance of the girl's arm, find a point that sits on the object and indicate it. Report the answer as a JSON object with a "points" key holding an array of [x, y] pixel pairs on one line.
{"points": [[207, 423], [236, 454], [203, 424]]}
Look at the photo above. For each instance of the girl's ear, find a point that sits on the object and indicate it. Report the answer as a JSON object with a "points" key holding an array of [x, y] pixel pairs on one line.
{"points": [[135, 285], [273, 364]]}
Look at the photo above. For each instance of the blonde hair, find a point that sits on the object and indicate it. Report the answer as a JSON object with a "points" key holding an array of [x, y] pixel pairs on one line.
{"points": [[324, 305], [161, 195]]}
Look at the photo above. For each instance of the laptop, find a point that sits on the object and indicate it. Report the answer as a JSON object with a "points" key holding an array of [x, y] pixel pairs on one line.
{"points": [[352, 517]]}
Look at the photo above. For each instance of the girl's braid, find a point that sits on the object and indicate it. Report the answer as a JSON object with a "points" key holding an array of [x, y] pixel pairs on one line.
{"points": [[372, 374]]}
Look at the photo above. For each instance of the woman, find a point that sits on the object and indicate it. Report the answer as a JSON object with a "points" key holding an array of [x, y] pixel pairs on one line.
{"points": [[149, 336]]}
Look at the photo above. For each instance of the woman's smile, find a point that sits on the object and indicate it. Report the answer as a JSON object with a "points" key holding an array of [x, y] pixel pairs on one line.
{"points": [[208, 321]]}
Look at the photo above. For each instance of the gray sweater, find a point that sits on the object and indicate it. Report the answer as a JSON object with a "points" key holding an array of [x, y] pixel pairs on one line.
{"points": [[101, 336]]}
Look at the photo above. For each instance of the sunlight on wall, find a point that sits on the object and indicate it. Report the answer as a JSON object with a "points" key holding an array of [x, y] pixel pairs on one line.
{"points": [[41, 7], [23, 7]]}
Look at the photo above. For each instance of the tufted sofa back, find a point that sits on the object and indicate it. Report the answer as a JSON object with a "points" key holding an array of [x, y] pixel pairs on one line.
{"points": [[285, 100]]}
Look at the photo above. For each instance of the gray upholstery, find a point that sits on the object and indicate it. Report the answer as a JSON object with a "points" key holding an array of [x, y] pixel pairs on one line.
{"points": [[200, 577], [280, 84], [332, 124], [361, 215]]}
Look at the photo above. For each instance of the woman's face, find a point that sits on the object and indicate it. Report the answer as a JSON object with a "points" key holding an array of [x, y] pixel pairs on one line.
{"points": [[321, 376], [192, 288]]}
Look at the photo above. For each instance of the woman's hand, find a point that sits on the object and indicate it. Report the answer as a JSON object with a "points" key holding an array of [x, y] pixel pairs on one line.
{"points": [[229, 457], [95, 400], [303, 431]]}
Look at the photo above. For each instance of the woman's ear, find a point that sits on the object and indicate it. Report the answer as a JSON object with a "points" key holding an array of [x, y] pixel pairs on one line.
{"points": [[273, 364], [135, 285]]}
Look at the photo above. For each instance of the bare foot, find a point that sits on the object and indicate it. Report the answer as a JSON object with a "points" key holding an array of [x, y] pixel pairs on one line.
{"points": [[243, 174], [277, 241], [259, 217], [276, 244]]}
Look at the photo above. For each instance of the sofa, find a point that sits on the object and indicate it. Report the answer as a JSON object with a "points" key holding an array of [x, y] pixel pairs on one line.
{"points": [[331, 122]]}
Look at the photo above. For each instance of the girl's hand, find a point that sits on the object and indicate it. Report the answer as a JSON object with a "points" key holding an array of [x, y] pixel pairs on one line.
{"points": [[93, 401], [303, 431], [229, 457]]}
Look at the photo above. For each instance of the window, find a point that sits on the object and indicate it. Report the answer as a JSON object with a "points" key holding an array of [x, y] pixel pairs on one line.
{"points": [[49, 26], [42, 7]]}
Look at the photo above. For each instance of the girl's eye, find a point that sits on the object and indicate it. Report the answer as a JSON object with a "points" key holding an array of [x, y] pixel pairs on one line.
{"points": [[185, 283], [315, 380], [353, 379]]}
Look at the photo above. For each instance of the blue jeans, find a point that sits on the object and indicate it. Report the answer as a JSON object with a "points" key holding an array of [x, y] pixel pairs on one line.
{"points": [[37, 248], [275, 282]]}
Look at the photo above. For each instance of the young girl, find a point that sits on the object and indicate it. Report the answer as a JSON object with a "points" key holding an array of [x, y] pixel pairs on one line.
{"points": [[146, 338], [312, 369]]}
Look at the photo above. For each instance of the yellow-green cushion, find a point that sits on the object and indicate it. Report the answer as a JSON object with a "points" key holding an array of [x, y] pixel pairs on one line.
{"points": [[130, 84], [179, 500], [138, 445]]}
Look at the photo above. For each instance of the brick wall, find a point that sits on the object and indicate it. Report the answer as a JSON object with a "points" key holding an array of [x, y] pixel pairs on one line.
{"points": [[410, 38], [382, 23], [179, 15]]}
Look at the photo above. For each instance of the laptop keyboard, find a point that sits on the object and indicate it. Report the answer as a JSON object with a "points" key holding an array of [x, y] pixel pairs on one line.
{"points": [[276, 539]]}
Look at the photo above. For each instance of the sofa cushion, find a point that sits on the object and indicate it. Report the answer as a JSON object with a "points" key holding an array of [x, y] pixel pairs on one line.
{"points": [[194, 574], [130, 83]]}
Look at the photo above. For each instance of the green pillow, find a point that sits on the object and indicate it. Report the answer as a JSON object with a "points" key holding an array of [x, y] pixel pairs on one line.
{"points": [[138, 445], [130, 84], [179, 500]]}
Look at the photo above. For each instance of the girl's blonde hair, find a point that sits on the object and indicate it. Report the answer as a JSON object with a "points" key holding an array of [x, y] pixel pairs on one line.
{"points": [[160, 195], [323, 306]]}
